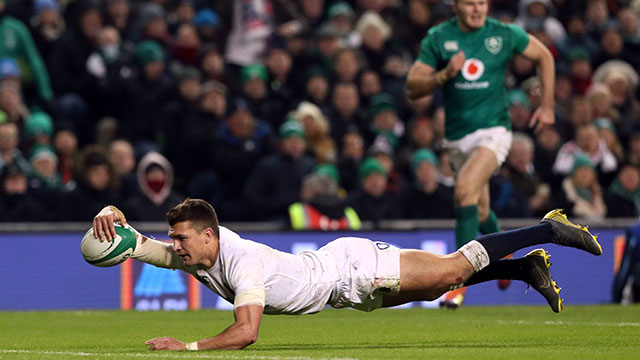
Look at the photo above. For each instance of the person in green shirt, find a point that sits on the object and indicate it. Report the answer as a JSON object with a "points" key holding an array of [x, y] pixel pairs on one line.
{"points": [[16, 43], [466, 58]]}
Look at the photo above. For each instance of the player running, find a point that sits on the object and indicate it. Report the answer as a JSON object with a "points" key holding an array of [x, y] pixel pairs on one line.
{"points": [[347, 272], [467, 56]]}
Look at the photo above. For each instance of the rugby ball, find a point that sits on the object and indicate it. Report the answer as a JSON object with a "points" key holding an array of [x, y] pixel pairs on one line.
{"points": [[109, 253]]}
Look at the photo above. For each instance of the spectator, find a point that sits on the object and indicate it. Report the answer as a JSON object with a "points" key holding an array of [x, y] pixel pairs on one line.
{"points": [[345, 114], [520, 110], [12, 103], [9, 152], [601, 100], [38, 129], [65, 144], [623, 196], [421, 135], [70, 54], [156, 196], [383, 152], [97, 185], [152, 24], [375, 33], [347, 65], [598, 20], [47, 26], [582, 190], [16, 43], [207, 23], [123, 159], [629, 28], [523, 179], [341, 17], [187, 44], [587, 143], [281, 87], [316, 87], [183, 12], [45, 183], [540, 14], [612, 48], [118, 15], [276, 181], [577, 37], [547, 145], [425, 198], [320, 207], [607, 132], [369, 84], [16, 203], [316, 130], [242, 141], [254, 79], [372, 201], [351, 156], [385, 123], [581, 69], [145, 91]]}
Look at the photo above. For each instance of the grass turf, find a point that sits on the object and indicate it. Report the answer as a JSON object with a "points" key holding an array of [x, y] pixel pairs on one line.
{"points": [[517, 332]]}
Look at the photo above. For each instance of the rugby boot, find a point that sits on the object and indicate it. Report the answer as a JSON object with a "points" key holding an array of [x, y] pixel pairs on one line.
{"points": [[540, 278], [454, 298], [566, 233]]}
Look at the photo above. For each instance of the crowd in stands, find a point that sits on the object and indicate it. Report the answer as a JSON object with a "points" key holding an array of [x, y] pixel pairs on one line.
{"points": [[295, 110]]}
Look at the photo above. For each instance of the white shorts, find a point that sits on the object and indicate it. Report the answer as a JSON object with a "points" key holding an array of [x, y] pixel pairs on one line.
{"points": [[497, 139], [368, 271]]}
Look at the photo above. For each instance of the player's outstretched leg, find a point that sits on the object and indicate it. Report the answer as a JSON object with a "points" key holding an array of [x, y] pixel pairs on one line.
{"points": [[533, 269], [554, 228]]}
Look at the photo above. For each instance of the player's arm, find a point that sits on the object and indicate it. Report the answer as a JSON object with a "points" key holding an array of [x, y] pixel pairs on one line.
{"points": [[147, 250], [537, 52], [423, 79], [242, 333]]}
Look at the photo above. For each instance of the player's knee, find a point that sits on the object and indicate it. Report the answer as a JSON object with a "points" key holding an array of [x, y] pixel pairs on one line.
{"points": [[465, 195]]}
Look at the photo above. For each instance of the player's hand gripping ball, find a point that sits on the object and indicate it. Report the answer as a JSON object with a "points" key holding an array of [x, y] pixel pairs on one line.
{"points": [[109, 253]]}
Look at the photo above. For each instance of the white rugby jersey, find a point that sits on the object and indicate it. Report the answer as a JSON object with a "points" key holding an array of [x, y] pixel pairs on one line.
{"points": [[293, 284]]}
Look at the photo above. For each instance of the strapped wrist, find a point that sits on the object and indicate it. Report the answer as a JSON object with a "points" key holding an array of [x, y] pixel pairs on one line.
{"points": [[192, 346]]}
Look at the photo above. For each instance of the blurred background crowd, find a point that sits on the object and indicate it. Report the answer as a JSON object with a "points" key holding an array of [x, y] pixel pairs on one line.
{"points": [[294, 111]]}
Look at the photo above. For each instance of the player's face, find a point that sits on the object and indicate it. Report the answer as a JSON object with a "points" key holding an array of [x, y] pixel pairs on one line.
{"points": [[471, 14], [189, 243]]}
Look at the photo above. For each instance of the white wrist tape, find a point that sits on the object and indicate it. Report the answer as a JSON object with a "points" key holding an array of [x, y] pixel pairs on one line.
{"points": [[476, 254], [192, 346]]}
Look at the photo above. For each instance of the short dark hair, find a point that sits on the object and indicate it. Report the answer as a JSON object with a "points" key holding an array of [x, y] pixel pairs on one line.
{"points": [[197, 211]]}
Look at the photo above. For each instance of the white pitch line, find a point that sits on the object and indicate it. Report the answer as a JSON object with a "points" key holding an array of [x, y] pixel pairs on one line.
{"points": [[163, 355], [529, 322]]}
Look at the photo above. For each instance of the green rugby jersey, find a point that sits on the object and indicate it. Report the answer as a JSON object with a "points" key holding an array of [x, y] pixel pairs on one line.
{"points": [[476, 98]]}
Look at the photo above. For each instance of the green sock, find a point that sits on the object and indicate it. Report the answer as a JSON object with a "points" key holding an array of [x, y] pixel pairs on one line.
{"points": [[466, 224], [490, 225]]}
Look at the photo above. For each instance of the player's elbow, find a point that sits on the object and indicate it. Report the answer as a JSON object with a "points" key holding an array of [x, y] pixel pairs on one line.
{"points": [[248, 335]]}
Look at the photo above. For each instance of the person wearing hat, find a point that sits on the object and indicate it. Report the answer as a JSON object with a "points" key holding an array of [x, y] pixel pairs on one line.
{"points": [[466, 57], [207, 23], [47, 25], [372, 201], [382, 151], [276, 181], [341, 17], [16, 43], [38, 128], [156, 183], [385, 123], [582, 190], [254, 80], [320, 206], [46, 182], [622, 198], [519, 109], [608, 134], [426, 198]]}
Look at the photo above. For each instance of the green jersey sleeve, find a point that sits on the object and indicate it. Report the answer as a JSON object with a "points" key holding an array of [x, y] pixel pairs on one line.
{"points": [[428, 53], [520, 38]]}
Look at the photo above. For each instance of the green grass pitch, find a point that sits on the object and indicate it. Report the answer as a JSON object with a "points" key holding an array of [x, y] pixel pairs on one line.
{"points": [[515, 332]]}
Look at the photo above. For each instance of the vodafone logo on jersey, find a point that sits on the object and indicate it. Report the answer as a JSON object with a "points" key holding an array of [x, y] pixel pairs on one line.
{"points": [[472, 69]]}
